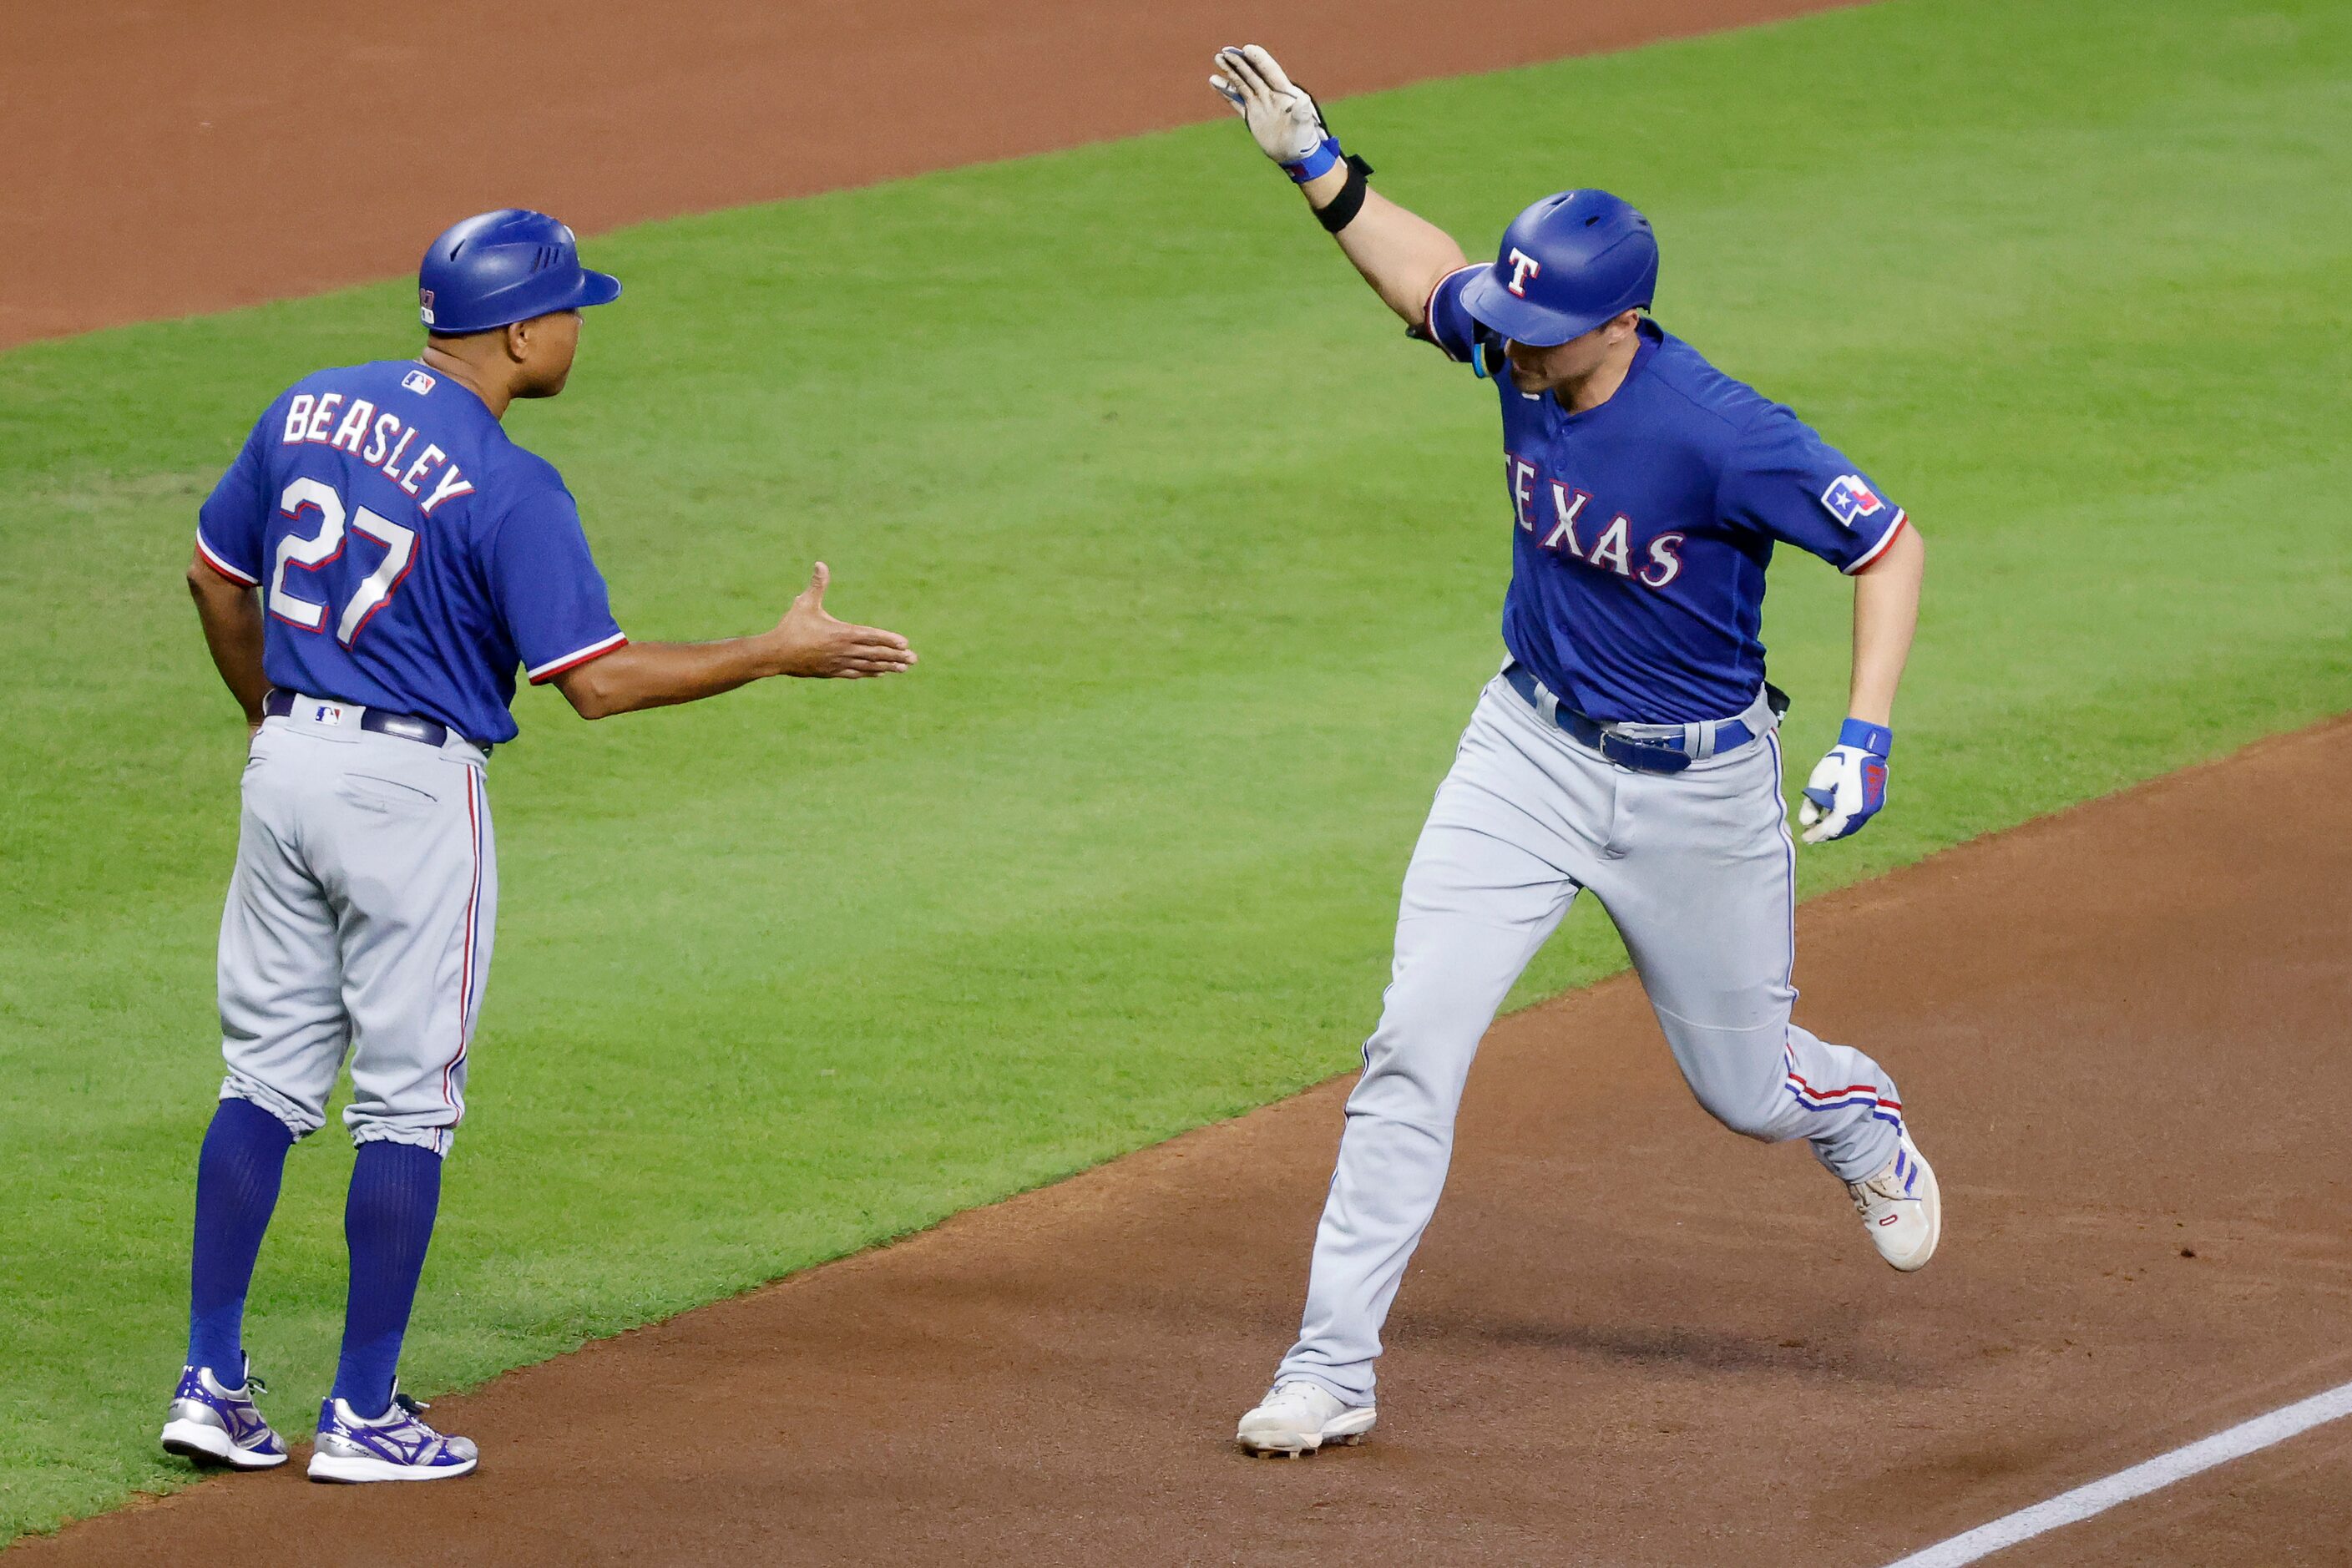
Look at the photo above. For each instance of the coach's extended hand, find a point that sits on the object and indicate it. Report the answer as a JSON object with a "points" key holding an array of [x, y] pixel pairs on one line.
{"points": [[808, 642], [813, 643]]}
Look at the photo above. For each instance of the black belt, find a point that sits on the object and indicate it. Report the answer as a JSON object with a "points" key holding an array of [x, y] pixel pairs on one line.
{"points": [[1663, 755], [279, 704]]}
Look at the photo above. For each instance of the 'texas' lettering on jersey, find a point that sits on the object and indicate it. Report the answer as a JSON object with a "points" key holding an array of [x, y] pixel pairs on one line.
{"points": [[379, 439], [1559, 518]]}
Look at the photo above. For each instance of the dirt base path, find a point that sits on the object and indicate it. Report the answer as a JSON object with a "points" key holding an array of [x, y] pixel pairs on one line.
{"points": [[167, 160], [1630, 1337]]}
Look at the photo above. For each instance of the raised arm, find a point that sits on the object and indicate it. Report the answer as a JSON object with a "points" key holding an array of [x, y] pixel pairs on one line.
{"points": [[807, 642], [1400, 254]]}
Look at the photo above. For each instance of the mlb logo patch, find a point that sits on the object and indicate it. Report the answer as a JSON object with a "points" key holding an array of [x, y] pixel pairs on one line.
{"points": [[416, 381], [1850, 500], [425, 305], [327, 713]]}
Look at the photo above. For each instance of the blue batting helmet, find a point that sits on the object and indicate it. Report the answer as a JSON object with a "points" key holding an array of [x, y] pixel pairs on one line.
{"points": [[1566, 264], [505, 266]]}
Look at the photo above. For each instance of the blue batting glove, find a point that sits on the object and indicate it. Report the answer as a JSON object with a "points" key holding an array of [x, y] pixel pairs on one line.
{"points": [[1849, 785]]}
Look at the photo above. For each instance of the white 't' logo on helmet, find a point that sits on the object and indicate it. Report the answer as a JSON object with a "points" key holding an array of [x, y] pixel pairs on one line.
{"points": [[1523, 267]]}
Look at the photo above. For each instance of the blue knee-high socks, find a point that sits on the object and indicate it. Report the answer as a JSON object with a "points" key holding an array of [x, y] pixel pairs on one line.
{"points": [[388, 1222], [238, 1175]]}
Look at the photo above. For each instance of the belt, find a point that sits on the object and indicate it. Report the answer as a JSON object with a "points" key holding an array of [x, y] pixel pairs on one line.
{"points": [[279, 704], [1651, 748]]}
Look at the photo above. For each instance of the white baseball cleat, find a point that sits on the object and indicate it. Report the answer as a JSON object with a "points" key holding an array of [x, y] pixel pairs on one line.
{"points": [[1901, 1207], [1299, 1417]]}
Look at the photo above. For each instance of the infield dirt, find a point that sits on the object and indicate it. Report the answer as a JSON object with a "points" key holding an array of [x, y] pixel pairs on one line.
{"points": [[1629, 1339]]}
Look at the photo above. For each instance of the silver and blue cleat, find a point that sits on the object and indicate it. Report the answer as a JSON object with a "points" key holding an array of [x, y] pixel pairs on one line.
{"points": [[396, 1445], [214, 1424]]}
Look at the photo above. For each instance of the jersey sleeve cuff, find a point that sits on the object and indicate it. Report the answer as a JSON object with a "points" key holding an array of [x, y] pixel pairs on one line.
{"points": [[1879, 549], [213, 560], [1429, 311], [541, 674]]}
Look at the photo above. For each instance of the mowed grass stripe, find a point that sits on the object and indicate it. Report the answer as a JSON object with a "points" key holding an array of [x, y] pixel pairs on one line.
{"points": [[1205, 561]]}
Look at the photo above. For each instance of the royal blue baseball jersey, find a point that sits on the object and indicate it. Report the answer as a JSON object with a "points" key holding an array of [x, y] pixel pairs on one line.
{"points": [[410, 556], [1645, 526]]}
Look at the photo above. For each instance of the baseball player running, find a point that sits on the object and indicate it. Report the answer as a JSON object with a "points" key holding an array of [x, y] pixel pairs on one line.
{"points": [[370, 571], [1628, 744]]}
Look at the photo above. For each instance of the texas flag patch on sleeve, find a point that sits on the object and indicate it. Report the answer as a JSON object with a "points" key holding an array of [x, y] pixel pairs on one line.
{"points": [[1850, 500]]}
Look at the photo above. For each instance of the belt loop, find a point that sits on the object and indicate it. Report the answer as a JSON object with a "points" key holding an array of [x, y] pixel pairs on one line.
{"points": [[1546, 705], [1698, 740]]}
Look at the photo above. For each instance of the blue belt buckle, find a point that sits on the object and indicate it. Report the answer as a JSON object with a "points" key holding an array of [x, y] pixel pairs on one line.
{"points": [[1648, 759]]}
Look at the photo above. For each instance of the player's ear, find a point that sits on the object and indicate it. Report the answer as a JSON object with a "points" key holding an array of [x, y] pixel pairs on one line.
{"points": [[518, 341]]}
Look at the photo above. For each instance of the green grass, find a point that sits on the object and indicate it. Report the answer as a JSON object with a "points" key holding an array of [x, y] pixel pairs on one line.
{"points": [[1204, 558]]}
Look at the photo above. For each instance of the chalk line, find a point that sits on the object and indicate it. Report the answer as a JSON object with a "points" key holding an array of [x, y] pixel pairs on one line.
{"points": [[2152, 1475]]}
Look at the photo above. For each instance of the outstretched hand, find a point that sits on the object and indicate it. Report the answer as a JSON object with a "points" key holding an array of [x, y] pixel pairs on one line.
{"points": [[811, 642], [1282, 116]]}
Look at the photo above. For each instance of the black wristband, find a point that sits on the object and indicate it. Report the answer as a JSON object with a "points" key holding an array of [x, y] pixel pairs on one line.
{"points": [[1341, 210]]}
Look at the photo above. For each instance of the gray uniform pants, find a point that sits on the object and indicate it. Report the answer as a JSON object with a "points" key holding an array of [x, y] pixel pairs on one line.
{"points": [[359, 920], [1698, 870]]}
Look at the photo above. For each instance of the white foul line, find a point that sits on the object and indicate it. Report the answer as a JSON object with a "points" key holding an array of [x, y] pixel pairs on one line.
{"points": [[2138, 1481]]}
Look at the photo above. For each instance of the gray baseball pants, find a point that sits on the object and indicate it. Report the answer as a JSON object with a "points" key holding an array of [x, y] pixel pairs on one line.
{"points": [[1697, 871], [359, 920]]}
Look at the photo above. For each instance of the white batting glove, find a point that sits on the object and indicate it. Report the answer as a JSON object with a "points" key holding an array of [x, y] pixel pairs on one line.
{"points": [[1282, 117], [1849, 785]]}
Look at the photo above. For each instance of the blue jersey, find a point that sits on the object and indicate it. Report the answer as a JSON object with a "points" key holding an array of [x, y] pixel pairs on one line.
{"points": [[1643, 526], [410, 556]]}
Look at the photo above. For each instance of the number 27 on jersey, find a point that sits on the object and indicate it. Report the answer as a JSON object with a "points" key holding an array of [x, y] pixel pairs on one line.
{"points": [[313, 554]]}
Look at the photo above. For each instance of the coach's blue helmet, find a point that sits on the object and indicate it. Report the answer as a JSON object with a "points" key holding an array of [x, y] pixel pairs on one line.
{"points": [[1566, 264], [505, 266]]}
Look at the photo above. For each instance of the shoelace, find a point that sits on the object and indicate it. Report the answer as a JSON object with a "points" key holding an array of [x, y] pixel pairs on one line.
{"points": [[413, 1411], [1885, 1187], [249, 1388]]}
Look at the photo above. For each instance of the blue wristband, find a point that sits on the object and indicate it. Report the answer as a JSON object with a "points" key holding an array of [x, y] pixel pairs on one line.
{"points": [[1875, 739], [1322, 161]]}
